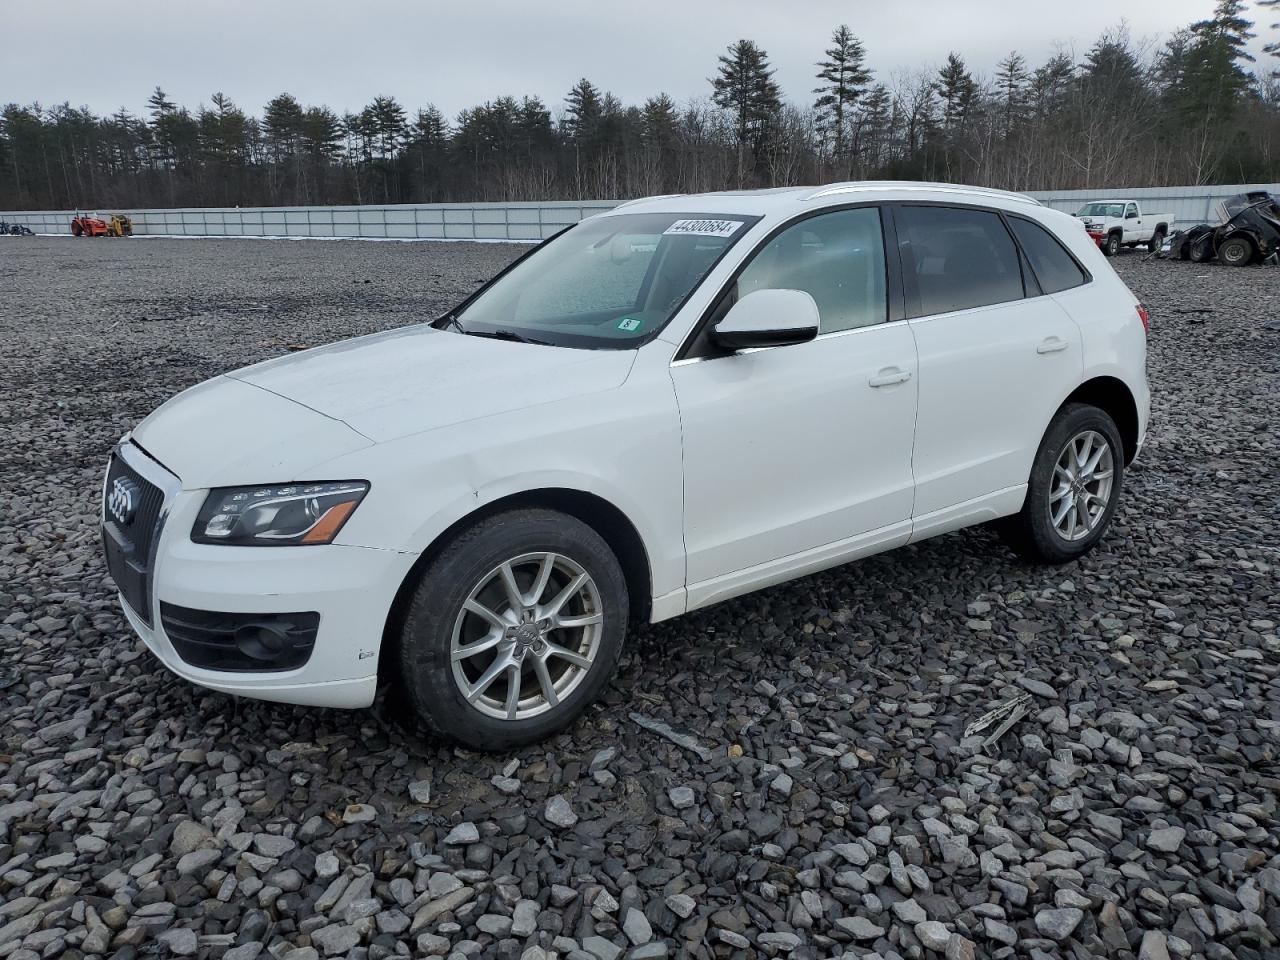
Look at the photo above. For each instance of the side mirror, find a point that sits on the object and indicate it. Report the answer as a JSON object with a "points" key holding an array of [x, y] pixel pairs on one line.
{"points": [[1131, 215], [768, 318]]}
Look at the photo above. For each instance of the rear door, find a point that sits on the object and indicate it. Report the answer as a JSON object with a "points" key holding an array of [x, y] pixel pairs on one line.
{"points": [[996, 357]]}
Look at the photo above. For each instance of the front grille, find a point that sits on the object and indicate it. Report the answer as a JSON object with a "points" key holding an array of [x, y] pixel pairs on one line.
{"points": [[130, 520], [257, 642]]}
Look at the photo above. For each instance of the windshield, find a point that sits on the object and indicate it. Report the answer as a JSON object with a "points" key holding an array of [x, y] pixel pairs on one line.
{"points": [[610, 282], [1101, 210]]}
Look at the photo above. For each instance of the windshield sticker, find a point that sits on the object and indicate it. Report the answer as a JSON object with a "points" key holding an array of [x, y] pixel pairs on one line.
{"points": [[629, 324], [704, 228]]}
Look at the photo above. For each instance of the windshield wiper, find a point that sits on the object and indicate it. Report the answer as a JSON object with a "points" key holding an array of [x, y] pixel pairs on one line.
{"points": [[511, 335], [447, 321]]}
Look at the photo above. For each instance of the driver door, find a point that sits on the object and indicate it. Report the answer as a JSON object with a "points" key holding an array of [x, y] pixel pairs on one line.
{"points": [[1132, 223], [798, 457]]}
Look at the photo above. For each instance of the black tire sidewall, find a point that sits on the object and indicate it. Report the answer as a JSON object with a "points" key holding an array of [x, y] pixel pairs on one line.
{"points": [[1042, 541], [1112, 245], [1157, 239], [426, 668], [1233, 242]]}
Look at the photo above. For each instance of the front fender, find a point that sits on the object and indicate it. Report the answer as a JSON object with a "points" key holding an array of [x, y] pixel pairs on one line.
{"points": [[623, 447]]}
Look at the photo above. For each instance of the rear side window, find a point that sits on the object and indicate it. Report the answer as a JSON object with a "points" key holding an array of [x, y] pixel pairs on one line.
{"points": [[1053, 266], [961, 258]]}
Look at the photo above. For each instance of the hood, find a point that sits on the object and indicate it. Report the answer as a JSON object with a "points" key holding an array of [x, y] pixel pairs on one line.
{"points": [[418, 378], [225, 433]]}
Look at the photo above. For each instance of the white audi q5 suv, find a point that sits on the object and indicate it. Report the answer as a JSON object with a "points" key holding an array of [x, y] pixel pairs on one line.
{"points": [[673, 403]]}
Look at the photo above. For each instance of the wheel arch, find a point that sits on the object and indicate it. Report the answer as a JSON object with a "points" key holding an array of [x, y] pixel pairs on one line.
{"points": [[1113, 396], [605, 518]]}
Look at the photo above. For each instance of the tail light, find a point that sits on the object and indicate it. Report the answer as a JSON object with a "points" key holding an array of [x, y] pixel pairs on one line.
{"points": [[1144, 317]]}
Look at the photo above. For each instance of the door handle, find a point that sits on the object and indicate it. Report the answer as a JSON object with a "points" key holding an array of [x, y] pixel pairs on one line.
{"points": [[888, 376], [1051, 345]]}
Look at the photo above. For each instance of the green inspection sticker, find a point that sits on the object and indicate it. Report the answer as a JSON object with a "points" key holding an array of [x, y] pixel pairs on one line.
{"points": [[629, 324]]}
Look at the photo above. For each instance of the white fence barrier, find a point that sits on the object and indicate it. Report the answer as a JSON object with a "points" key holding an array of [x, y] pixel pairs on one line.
{"points": [[516, 222]]}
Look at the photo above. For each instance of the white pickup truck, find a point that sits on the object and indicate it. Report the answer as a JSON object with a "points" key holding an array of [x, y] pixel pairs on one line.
{"points": [[1124, 223]]}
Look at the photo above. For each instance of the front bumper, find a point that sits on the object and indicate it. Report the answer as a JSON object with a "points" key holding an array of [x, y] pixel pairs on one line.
{"points": [[352, 588]]}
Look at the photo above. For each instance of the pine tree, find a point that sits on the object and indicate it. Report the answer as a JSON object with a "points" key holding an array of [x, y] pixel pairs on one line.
{"points": [[659, 120], [282, 119], [1111, 71], [386, 121], [745, 87], [1011, 83], [160, 104], [1050, 82], [844, 77], [583, 107], [1213, 78], [322, 133], [957, 90], [1213, 86]]}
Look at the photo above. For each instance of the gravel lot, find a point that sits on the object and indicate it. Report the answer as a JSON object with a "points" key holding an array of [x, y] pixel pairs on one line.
{"points": [[823, 802]]}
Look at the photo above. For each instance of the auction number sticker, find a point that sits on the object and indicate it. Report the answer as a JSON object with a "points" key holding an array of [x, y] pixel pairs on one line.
{"points": [[629, 324], [704, 228]]}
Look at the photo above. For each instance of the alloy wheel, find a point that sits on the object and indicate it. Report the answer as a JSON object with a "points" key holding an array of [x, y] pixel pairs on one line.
{"points": [[1083, 478], [526, 636]]}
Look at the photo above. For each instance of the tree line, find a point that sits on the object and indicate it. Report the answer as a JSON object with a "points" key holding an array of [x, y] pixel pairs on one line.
{"points": [[1196, 109]]}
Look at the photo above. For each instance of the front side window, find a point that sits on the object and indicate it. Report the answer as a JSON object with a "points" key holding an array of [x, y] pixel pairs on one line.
{"points": [[1056, 269], [837, 258], [961, 258], [611, 282], [1131, 210]]}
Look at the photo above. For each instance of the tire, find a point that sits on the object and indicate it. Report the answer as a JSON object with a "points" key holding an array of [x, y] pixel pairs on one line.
{"points": [[469, 571], [1157, 238], [1032, 532], [1111, 245], [1201, 250], [1236, 252]]}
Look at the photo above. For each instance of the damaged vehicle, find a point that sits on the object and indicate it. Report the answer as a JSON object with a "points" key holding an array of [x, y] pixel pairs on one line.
{"points": [[1248, 231], [663, 407]]}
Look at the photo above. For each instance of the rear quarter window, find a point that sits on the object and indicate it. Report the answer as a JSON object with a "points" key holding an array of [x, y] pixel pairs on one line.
{"points": [[1056, 269]]}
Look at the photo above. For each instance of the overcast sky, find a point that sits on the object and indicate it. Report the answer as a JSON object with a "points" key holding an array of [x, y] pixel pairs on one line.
{"points": [[111, 53]]}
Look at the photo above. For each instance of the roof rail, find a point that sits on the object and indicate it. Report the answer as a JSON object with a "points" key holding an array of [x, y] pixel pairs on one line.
{"points": [[661, 196], [858, 186]]}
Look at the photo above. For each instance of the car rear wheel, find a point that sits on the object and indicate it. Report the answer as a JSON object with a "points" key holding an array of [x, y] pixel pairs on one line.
{"points": [[514, 629], [1157, 238], [1236, 252], [1073, 489], [1201, 250]]}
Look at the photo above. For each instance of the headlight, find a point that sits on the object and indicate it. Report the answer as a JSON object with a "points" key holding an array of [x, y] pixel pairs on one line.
{"points": [[288, 515]]}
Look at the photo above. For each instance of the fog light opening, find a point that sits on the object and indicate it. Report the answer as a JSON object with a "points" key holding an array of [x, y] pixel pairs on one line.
{"points": [[261, 641]]}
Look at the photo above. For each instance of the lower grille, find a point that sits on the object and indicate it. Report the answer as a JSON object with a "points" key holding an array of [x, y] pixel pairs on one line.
{"points": [[130, 518], [242, 642]]}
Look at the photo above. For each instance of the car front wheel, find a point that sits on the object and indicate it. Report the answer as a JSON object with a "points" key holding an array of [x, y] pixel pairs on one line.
{"points": [[514, 629], [1111, 246], [1073, 489]]}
